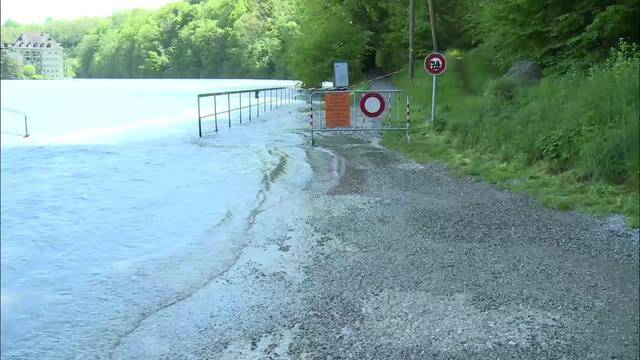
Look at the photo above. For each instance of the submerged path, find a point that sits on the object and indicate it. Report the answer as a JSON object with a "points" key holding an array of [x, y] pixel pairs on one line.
{"points": [[377, 257]]}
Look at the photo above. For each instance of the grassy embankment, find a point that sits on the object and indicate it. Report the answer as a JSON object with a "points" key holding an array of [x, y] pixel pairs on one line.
{"points": [[571, 141]]}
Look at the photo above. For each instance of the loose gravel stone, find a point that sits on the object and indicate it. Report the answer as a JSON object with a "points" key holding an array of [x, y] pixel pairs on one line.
{"points": [[413, 263]]}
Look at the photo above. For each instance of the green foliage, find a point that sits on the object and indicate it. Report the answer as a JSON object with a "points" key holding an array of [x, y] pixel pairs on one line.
{"points": [[572, 133], [321, 42], [70, 67], [555, 33], [29, 72], [9, 67], [214, 38], [300, 39]]}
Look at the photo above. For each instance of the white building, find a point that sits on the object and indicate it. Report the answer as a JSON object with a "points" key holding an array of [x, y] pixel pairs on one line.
{"points": [[39, 50]]}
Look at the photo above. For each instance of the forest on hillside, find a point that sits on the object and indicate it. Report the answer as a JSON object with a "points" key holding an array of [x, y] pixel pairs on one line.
{"points": [[299, 39]]}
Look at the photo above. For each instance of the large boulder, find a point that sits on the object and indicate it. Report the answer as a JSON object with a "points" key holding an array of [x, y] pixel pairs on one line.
{"points": [[525, 72]]}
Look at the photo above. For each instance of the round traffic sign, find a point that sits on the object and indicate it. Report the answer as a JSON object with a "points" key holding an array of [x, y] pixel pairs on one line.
{"points": [[372, 104], [435, 63]]}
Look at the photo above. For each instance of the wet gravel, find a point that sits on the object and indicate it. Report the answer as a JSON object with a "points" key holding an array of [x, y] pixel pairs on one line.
{"points": [[409, 262], [377, 257]]}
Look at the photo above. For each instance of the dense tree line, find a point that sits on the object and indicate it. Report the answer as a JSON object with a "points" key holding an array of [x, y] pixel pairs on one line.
{"points": [[300, 39], [206, 39]]}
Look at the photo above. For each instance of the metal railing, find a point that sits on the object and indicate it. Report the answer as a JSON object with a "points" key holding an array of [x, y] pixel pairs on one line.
{"points": [[26, 129], [233, 101]]}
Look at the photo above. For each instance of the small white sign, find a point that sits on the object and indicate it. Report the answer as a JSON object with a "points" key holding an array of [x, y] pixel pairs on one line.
{"points": [[341, 72]]}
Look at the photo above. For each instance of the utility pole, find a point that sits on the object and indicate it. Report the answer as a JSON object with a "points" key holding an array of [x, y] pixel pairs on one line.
{"points": [[412, 27], [432, 18]]}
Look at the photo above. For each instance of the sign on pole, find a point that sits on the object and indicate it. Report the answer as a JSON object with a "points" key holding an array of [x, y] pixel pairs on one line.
{"points": [[435, 64], [372, 104], [341, 73]]}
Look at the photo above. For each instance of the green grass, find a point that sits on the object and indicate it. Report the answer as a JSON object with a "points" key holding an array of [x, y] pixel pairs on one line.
{"points": [[571, 141]]}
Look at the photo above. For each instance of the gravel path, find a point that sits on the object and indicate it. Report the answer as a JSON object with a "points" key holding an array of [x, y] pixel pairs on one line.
{"points": [[410, 262], [356, 253]]}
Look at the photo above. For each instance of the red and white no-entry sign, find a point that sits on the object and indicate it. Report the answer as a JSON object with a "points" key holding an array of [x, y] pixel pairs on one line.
{"points": [[435, 63], [372, 104]]}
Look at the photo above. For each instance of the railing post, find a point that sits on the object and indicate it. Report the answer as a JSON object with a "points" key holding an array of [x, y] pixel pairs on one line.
{"points": [[264, 107], [250, 106], [353, 106], [240, 105], [229, 108], [408, 119], [199, 120], [398, 109], [215, 111], [26, 130], [258, 103], [270, 99]]}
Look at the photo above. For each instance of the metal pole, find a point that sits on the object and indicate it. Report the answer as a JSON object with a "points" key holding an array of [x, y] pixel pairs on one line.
{"points": [[408, 120], [432, 19], [215, 111], [311, 116], [353, 105], [199, 121], [26, 131], [250, 106], [270, 99], [240, 105], [229, 108], [264, 108], [412, 27], [433, 100], [397, 109], [389, 111]]}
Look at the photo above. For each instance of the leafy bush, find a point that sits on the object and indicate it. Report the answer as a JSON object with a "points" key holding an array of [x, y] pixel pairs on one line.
{"points": [[582, 121], [501, 91]]}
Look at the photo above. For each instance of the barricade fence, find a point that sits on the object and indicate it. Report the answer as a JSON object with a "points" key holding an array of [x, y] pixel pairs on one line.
{"points": [[248, 103], [359, 110]]}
